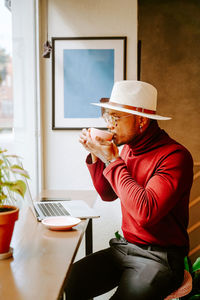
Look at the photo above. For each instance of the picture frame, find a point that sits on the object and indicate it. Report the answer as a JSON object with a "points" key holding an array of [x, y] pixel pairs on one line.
{"points": [[84, 70]]}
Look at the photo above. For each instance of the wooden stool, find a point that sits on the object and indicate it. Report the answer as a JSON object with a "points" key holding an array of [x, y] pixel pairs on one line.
{"points": [[184, 289]]}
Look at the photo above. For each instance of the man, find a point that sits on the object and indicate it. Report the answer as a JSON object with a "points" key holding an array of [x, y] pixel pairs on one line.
{"points": [[152, 177]]}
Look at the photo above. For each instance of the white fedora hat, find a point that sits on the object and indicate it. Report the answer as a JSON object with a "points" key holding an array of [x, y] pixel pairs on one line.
{"points": [[134, 97]]}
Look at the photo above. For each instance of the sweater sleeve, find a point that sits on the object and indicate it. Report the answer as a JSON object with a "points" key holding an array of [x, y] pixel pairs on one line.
{"points": [[171, 180], [101, 184]]}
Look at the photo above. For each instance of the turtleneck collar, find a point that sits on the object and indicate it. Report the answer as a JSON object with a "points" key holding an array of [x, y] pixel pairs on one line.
{"points": [[151, 138]]}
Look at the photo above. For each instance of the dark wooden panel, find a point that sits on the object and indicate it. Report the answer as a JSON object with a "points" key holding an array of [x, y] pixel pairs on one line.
{"points": [[194, 238], [194, 214], [172, 64], [195, 191], [165, 57], [194, 256], [196, 167]]}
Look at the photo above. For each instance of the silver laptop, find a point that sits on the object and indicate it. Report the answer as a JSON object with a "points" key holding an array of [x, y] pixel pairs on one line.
{"points": [[74, 208]]}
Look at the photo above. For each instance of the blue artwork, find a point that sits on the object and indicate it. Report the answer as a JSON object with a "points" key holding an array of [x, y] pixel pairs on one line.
{"points": [[88, 76]]}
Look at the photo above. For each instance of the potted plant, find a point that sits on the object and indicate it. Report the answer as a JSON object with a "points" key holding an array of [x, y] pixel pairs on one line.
{"points": [[12, 185]]}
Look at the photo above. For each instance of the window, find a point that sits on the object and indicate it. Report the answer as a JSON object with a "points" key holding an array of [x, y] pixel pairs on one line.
{"points": [[6, 72]]}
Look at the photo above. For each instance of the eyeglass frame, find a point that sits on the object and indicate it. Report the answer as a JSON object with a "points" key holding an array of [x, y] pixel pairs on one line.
{"points": [[113, 119]]}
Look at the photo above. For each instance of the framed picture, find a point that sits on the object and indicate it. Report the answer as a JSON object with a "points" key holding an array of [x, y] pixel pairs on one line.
{"points": [[84, 71]]}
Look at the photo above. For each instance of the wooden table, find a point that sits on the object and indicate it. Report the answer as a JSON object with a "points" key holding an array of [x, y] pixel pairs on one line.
{"points": [[42, 258]]}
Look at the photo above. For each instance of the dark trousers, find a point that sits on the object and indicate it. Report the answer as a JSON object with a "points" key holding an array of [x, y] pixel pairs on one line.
{"points": [[138, 272]]}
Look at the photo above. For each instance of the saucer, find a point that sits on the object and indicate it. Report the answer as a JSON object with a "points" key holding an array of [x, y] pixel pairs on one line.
{"points": [[60, 223]]}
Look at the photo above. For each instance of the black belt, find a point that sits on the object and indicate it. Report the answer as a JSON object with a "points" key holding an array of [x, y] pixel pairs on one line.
{"points": [[161, 248], [176, 249], [152, 247]]}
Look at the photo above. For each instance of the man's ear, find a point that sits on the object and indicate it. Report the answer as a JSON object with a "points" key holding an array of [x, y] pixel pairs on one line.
{"points": [[144, 122]]}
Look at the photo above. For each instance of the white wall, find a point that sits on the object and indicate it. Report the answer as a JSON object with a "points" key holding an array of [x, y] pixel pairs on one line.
{"points": [[63, 156]]}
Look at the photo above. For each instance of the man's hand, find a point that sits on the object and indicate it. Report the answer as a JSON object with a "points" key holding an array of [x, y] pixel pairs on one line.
{"points": [[84, 138], [104, 150]]}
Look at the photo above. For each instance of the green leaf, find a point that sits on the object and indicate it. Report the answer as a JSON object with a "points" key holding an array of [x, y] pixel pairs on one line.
{"points": [[13, 155], [186, 264], [10, 171], [117, 235], [19, 170], [2, 151], [195, 297], [7, 184], [196, 265], [18, 187], [2, 196]]}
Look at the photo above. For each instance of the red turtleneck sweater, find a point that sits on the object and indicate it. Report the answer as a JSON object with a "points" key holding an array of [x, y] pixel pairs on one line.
{"points": [[152, 178]]}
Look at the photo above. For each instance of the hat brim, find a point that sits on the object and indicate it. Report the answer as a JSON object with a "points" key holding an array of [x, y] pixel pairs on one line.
{"points": [[133, 112]]}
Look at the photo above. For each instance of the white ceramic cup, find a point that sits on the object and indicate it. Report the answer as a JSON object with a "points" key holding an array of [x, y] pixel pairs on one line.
{"points": [[104, 134]]}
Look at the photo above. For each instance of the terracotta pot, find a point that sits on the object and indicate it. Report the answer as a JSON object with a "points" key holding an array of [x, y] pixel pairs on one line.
{"points": [[7, 222]]}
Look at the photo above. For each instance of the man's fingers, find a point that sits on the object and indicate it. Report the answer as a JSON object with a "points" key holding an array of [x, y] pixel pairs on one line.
{"points": [[82, 140], [84, 135], [100, 147], [84, 132], [90, 144], [102, 141], [84, 143]]}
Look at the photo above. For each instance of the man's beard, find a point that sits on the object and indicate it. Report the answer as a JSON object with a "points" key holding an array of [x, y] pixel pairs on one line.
{"points": [[126, 142]]}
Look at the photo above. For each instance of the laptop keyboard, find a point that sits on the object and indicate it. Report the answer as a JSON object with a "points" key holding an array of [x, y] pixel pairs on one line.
{"points": [[53, 209]]}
